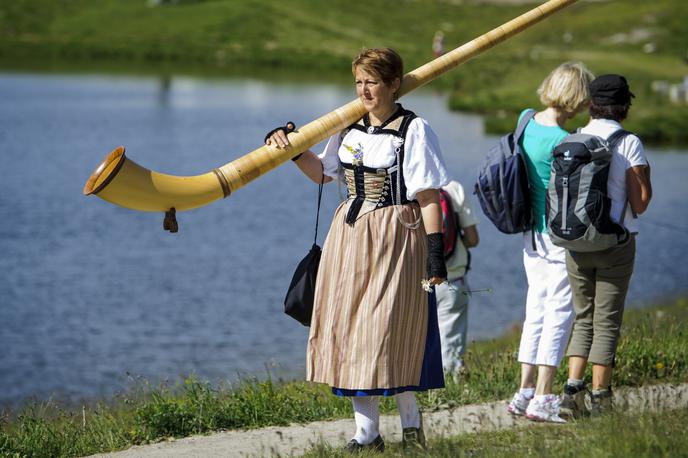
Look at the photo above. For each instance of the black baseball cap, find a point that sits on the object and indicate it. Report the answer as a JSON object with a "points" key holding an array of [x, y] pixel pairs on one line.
{"points": [[610, 90]]}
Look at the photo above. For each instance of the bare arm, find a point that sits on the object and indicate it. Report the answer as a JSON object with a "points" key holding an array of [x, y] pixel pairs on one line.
{"points": [[309, 162], [470, 237], [639, 188], [429, 201], [311, 166]]}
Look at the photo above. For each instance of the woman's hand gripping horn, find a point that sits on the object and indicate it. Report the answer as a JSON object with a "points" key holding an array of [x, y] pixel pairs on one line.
{"points": [[278, 136]]}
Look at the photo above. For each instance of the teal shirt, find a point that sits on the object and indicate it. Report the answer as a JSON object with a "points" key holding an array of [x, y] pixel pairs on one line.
{"points": [[537, 143]]}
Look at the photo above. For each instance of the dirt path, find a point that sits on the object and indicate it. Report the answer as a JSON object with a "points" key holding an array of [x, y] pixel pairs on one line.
{"points": [[295, 440]]}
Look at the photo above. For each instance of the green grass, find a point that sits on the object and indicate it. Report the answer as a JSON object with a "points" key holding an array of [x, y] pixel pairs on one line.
{"points": [[646, 41], [650, 435], [653, 349]]}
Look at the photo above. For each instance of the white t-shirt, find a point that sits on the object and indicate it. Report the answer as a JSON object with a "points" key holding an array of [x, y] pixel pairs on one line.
{"points": [[423, 164], [628, 153], [456, 264]]}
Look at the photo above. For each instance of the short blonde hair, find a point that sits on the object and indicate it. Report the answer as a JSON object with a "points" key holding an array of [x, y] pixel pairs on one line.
{"points": [[566, 87]]}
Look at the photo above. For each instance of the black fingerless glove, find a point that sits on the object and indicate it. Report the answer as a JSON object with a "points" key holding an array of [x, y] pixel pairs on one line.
{"points": [[435, 264], [287, 128]]}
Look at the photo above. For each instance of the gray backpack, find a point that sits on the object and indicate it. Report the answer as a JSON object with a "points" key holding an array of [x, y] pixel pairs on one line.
{"points": [[577, 205]]}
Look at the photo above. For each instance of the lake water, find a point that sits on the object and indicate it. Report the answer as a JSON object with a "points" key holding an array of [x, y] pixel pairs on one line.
{"points": [[93, 295]]}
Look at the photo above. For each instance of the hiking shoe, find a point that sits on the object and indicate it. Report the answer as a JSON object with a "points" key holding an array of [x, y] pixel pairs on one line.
{"points": [[544, 408], [377, 445], [413, 437], [572, 402], [601, 402], [518, 405]]}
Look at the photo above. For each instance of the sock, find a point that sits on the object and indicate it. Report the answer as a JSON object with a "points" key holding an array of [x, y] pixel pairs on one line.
{"points": [[528, 393], [408, 409], [367, 417], [601, 391], [575, 382]]}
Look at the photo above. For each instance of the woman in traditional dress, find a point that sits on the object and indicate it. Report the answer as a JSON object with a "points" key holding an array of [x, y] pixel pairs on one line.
{"points": [[374, 329]]}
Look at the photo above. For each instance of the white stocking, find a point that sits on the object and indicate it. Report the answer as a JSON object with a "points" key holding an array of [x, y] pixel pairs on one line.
{"points": [[408, 409], [367, 417]]}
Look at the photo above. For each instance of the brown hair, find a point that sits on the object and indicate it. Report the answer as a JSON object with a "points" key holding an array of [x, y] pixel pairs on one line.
{"points": [[385, 63], [614, 112]]}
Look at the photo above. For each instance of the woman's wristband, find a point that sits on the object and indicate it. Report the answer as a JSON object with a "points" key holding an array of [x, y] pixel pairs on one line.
{"points": [[289, 127], [435, 263]]}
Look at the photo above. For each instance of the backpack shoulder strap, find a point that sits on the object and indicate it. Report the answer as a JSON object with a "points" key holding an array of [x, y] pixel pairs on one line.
{"points": [[529, 114], [613, 140], [617, 136], [522, 124]]}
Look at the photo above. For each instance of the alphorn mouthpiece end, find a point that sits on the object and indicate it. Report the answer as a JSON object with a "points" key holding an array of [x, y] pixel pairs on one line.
{"points": [[105, 172]]}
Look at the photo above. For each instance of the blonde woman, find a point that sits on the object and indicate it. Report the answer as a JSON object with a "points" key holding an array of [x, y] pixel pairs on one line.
{"points": [[374, 330], [549, 307]]}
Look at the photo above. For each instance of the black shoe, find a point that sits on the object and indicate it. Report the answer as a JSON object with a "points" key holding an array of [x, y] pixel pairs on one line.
{"points": [[377, 445], [413, 438]]}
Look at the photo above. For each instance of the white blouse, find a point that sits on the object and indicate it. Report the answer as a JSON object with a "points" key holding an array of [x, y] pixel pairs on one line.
{"points": [[423, 164]]}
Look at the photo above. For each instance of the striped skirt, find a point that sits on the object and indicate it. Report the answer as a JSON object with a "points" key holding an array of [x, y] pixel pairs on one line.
{"points": [[373, 329]]}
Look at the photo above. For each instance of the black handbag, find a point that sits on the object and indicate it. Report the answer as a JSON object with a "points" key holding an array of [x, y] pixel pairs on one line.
{"points": [[298, 303]]}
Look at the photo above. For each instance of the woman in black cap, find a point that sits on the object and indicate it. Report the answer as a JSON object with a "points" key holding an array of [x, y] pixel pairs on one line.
{"points": [[599, 279]]}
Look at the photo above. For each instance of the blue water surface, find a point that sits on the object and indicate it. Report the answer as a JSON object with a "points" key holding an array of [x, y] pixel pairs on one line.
{"points": [[93, 296]]}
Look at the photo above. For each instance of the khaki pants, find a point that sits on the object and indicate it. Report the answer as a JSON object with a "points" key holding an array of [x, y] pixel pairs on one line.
{"points": [[599, 282]]}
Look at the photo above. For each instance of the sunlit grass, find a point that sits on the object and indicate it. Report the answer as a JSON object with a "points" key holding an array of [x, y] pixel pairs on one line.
{"points": [[622, 435], [653, 349]]}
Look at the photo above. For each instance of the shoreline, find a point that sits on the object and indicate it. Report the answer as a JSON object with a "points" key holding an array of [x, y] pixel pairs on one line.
{"points": [[652, 351], [661, 129], [510, 333]]}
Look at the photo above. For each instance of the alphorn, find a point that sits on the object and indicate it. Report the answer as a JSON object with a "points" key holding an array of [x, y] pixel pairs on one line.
{"points": [[123, 182]]}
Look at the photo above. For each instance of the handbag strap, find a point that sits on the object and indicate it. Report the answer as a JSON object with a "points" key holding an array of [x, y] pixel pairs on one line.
{"points": [[317, 213]]}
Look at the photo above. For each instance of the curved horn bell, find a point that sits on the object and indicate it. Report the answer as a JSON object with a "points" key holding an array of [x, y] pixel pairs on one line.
{"points": [[127, 184], [123, 182]]}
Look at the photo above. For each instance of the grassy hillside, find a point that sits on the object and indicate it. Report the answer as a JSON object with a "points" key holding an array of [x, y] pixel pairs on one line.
{"points": [[310, 38]]}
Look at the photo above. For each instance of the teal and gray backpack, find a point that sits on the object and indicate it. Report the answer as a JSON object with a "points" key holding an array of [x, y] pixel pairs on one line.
{"points": [[577, 205]]}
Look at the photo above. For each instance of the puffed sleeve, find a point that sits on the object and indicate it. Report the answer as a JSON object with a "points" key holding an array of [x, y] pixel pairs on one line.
{"points": [[423, 163], [330, 156]]}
